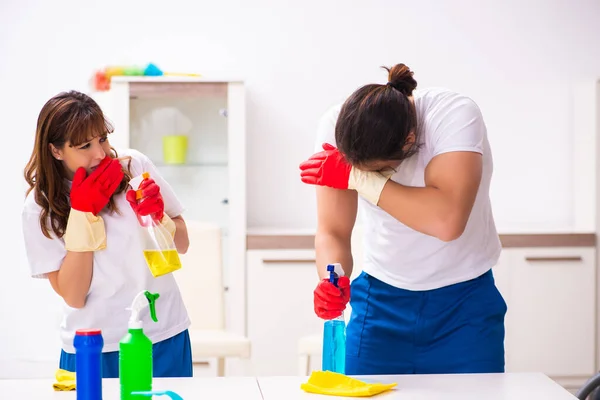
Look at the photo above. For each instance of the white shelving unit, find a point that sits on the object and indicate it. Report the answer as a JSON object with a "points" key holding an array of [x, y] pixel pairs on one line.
{"points": [[212, 182]]}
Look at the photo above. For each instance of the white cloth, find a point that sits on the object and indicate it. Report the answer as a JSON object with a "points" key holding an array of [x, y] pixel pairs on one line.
{"points": [[119, 271], [401, 256]]}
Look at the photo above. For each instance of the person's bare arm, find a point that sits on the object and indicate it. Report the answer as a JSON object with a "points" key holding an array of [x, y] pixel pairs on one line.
{"points": [[336, 213], [441, 208], [181, 239], [72, 281]]}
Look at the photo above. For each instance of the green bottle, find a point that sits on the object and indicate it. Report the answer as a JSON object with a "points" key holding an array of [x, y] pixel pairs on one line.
{"points": [[135, 350]]}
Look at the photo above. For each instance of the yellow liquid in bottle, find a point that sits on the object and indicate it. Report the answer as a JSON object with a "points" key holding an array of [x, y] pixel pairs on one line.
{"points": [[162, 262]]}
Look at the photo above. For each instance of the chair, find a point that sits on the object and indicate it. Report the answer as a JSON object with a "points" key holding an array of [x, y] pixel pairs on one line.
{"points": [[591, 389], [201, 283], [311, 345], [308, 346]]}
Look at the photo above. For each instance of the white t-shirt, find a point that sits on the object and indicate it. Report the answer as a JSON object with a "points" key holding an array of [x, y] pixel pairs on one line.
{"points": [[401, 256], [119, 271]]}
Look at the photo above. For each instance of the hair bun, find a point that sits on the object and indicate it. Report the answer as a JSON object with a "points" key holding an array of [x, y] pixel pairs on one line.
{"points": [[400, 77]]}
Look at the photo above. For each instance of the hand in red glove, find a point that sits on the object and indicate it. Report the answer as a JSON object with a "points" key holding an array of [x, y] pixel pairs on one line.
{"points": [[151, 201], [329, 168], [330, 300], [326, 168], [92, 193]]}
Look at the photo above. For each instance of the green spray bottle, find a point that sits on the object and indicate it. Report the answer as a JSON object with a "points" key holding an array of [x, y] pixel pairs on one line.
{"points": [[135, 350]]}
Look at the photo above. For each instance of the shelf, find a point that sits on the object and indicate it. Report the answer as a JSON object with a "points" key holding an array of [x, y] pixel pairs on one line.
{"points": [[175, 79], [174, 86]]}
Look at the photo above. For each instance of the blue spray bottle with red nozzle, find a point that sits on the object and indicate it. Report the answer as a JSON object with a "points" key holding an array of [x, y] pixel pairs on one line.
{"points": [[334, 332]]}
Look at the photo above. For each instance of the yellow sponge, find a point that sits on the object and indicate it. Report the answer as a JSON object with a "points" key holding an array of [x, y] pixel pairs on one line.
{"points": [[334, 384], [65, 380]]}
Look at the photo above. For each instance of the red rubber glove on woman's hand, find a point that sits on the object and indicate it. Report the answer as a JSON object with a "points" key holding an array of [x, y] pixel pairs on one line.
{"points": [[89, 195], [330, 168], [330, 300], [151, 201], [92, 193]]}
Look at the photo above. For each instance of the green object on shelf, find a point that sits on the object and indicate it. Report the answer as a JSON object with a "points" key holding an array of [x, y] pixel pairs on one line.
{"points": [[175, 149]]}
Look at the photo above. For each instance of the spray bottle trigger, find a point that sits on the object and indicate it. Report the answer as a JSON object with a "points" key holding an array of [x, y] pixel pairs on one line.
{"points": [[138, 193], [136, 182], [333, 276], [151, 297]]}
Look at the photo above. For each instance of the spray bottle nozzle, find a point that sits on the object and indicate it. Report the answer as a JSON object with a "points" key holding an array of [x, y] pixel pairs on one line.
{"points": [[136, 182], [335, 271], [141, 300]]}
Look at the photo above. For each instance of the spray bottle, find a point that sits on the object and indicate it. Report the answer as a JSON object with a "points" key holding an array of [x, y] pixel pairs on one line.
{"points": [[160, 251], [135, 349], [334, 332]]}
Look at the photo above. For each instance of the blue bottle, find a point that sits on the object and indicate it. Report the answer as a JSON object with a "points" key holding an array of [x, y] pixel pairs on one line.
{"points": [[334, 333], [88, 345]]}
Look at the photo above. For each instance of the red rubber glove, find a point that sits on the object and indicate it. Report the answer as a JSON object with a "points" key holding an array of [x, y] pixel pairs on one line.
{"points": [[326, 168], [151, 202], [329, 168], [330, 300], [92, 193]]}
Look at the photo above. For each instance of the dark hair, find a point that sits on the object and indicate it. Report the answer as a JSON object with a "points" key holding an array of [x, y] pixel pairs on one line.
{"points": [[67, 117], [375, 120]]}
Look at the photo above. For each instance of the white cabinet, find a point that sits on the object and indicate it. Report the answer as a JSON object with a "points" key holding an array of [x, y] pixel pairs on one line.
{"points": [[280, 307], [211, 181], [551, 318], [550, 324]]}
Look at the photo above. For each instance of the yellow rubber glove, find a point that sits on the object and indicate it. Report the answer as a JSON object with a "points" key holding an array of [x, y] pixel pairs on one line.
{"points": [[368, 184], [169, 225], [85, 232], [334, 384], [65, 380]]}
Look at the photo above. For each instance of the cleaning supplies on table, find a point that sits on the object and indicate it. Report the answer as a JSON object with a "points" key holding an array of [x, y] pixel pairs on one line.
{"points": [[135, 349], [65, 381], [334, 332], [334, 384], [88, 345], [160, 251]]}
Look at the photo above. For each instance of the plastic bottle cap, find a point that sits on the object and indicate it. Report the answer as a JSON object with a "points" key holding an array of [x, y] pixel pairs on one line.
{"points": [[88, 332], [136, 324]]}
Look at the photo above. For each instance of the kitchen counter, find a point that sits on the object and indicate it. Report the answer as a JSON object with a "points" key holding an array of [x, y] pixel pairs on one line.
{"points": [[263, 239]]}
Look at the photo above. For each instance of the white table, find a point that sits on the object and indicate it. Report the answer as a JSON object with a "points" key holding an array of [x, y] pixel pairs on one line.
{"points": [[189, 388], [513, 386]]}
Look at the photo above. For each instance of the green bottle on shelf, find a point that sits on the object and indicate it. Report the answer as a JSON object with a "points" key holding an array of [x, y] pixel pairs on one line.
{"points": [[135, 350]]}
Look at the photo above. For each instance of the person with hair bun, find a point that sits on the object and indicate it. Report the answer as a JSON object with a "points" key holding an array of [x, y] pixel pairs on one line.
{"points": [[419, 165]]}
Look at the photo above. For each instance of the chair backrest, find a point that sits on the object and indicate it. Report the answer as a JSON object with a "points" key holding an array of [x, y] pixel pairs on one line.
{"points": [[201, 277], [591, 389]]}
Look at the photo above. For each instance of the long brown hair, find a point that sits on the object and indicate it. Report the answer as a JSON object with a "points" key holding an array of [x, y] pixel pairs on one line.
{"points": [[67, 117], [376, 120]]}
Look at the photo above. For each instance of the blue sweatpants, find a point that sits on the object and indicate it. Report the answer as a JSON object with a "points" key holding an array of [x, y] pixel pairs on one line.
{"points": [[170, 358], [454, 329]]}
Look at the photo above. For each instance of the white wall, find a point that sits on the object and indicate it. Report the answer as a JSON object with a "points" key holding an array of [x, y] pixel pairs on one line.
{"points": [[518, 59]]}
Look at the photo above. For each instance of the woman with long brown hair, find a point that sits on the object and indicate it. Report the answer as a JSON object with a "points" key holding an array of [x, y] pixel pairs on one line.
{"points": [[419, 165], [79, 225]]}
